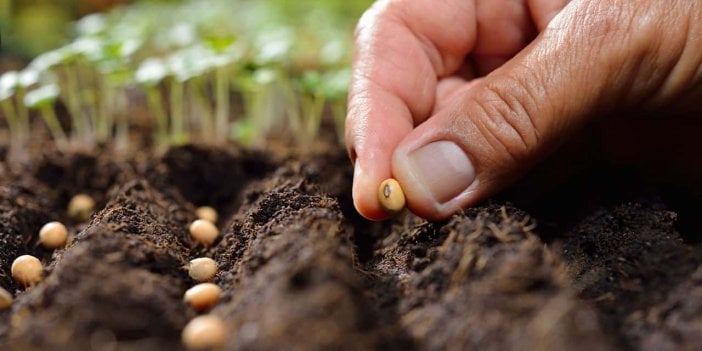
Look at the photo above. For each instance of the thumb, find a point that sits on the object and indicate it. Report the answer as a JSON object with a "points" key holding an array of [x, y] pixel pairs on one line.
{"points": [[594, 55]]}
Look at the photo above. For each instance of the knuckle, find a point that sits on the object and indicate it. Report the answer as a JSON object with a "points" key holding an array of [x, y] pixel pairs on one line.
{"points": [[506, 118]]}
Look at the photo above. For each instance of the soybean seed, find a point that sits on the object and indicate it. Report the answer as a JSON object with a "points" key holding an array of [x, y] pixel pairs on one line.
{"points": [[205, 332], [5, 299], [27, 270], [203, 232], [202, 269], [81, 207], [391, 196], [53, 235], [202, 296], [207, 213]]}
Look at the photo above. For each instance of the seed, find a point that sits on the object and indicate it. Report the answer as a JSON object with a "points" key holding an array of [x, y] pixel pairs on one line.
{"points": [[202, 269], [27, 270], [202, 296], [205, 332], [207, 213], [390, 196], [5, 299], [81, 207], [53, 235], [203, 232]]}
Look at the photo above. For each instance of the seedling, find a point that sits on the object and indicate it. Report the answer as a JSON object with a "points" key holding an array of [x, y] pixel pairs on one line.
{"points": [[53, 235], [202, 269], [9, 82], [27, 270], [204, 232], [221, 45], [293, 57], [43, 99], [205, 332], [5, 299], [81, 207], [207, 213], [202, 296], [150, 74], [391, 196]]}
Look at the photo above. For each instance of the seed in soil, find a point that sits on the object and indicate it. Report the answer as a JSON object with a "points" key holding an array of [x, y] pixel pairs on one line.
{"points": [[204, 232], [391, 196], [202, 269], [5, 299], [202, 296], [205, 332], [81, 207], [53, 235], [207, 213], [27, 270]]}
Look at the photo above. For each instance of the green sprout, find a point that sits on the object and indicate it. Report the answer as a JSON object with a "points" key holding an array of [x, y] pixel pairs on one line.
{"points": [[190, 60], [335, 87], [224, 55], [150, 74], [43, 99], [181, 68], [312, 103]]}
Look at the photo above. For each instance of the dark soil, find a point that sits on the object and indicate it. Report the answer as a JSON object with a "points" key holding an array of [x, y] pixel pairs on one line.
{"points": [[603, 267]]}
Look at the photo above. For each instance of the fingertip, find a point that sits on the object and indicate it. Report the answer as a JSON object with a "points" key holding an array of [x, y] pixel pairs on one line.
{"points": [[365, 200]]}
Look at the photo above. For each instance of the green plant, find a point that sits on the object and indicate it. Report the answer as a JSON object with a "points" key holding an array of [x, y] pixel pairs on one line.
{"points": [[43, 99], [286, 61]]}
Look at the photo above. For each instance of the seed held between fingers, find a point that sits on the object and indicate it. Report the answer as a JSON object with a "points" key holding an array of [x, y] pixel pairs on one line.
{"points": [[5, 299], [204, 232], [27, 270], [53, 235], [205, 332], [202, 269], [207, 213], [202, 296], [391, 196]]}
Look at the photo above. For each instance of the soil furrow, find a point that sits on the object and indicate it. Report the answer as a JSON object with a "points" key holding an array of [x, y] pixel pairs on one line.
{"points": [[120, 279], [290, 261], [484, 280], [627, 259], [301, 270]]}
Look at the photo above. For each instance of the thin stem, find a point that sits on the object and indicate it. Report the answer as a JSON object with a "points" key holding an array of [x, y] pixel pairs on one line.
{"points": [[86, 98], [153, 95], [92, 97], [23, 121], [339, 113], [122, 121], [52, 122], [204, 112], [222, 103], [293, 113], [72, 94], [314, 106], [178, 135], [105, 121], [8, 109]]}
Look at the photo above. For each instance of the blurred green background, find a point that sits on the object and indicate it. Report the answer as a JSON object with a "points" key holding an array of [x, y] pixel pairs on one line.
{"points": [[30, 27], [239, 69]]}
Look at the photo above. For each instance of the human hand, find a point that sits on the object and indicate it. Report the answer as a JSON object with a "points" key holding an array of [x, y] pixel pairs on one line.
{"points": [[418, 113]]}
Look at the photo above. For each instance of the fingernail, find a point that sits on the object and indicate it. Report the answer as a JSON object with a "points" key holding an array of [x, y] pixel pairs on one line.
{"points": [[443, 169]]}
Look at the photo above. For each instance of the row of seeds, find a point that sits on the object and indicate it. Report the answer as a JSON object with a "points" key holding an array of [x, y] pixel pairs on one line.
{"points": [[204, 331]]}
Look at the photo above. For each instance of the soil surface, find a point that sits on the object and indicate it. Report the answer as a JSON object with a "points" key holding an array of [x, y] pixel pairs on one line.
{"points": [[601, 262]]}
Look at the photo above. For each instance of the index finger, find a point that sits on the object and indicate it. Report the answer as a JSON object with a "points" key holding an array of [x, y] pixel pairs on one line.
{"points": [[402, 49]]}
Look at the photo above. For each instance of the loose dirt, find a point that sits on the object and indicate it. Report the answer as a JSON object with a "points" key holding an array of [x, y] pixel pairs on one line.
{"points": [[607, 267]]}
